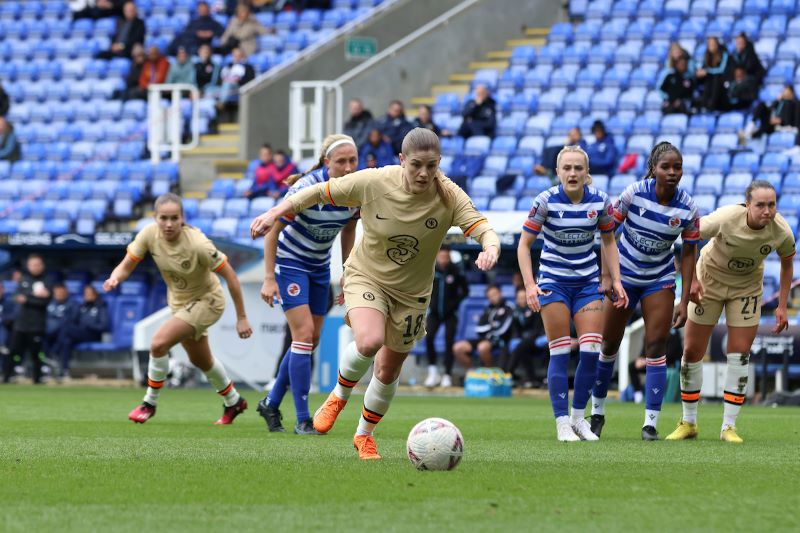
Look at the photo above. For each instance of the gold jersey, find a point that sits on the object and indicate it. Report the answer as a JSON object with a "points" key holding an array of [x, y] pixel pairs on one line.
{"points": [[735, 253], [402, 231], [187, 265]]}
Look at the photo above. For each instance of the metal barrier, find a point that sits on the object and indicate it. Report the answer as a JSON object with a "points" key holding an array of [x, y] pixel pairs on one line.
{"points": [[165, 124], [315, 111]]}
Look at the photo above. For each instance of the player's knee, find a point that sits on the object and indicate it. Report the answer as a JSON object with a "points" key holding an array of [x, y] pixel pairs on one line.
{"points": [[610, 347], [387, 371], [304, 333], [368, 343], [656, 347], [159, 347], [460, 347]]}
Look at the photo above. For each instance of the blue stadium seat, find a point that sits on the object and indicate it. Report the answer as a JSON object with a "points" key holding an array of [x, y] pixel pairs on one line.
{"points": [[780, 140], [674, 123], [560, 32], [605, 100], [599, 9], [495, 165], [773, 26], [737, 183], [469, 313], [646, 125], [723, 143], [503, 145], [520, 165], [536, 184], [745, 162], [452, 145], [788, 50], [694, 28], [716, 164], [618, 183], [550, 54], [260, 205], [775, 179], [640, 144], [766, 49], [789, 204], [791, 183], [708, 184], [523, 55], [211, 207], [531, 145], [538, 77], [730, 122], [783, 7], [793, 29], [503, 203], [666, 29], [780, 73], [705, 203], [539, 124], [729, 7], [224, 228], [774, 162], [477, 145]]}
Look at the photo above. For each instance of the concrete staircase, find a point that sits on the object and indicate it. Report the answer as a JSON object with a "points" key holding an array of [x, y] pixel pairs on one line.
{"points": [[216, 156], [497, 59]]}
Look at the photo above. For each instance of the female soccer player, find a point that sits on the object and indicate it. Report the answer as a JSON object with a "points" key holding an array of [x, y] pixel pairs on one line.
{"points": [[301, 275], [569, 215], [406, 211], [187, 261], [653, 213], [730, 275]]}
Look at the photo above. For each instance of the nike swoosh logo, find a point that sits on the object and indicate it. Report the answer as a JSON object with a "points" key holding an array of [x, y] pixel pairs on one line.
{"points": [[381, 218], [408, 342], [746, 317]]}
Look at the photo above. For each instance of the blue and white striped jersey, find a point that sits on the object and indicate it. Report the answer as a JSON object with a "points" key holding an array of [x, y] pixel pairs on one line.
{"points": [[305, 243], [649, 231], [569, 230]]}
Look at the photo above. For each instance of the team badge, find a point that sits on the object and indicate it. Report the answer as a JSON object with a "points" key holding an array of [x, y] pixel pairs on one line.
{"points": [[293, 289], [674, 222], [368, 296], [431, 223], [591, 214], [186, 264], [765, 250]]}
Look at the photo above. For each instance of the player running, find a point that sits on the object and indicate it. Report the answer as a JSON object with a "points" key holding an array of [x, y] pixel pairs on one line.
{"points": [[406, 211], [569, 215], [730, 275], [653, 213], [187, 261], [297, 255]]}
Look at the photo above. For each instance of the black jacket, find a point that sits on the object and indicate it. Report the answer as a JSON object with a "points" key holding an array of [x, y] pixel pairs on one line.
{"points": [[428, 126], [358, 127], [742, 94], [449, 288], [747, 59], [92, 317], [483, 114], [135, 34], [395, 129], [4, 102], [32, 315], [495, 324], [677, 86], [526, 324], [8, 309]]}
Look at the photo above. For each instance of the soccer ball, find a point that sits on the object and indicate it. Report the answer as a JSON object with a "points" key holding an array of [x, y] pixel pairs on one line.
{"points": [[435, 444]]}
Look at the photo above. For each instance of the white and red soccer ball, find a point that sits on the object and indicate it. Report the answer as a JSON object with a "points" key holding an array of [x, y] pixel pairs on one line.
{"points": [[435, 444]]}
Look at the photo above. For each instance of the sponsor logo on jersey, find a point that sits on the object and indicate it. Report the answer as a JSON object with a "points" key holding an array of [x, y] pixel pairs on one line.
{"points": [[405, 249], [293, 289], [741, 264], [646, 241], [574, 236]]}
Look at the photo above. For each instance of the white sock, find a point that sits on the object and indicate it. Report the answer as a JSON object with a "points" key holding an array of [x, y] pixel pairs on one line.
{"points": [[691, 383], [432, 370], [352, 367], [598, 406], [376, 403], [735, 387], [157, 369], [577, 415], [650, 418], [222, 383]]}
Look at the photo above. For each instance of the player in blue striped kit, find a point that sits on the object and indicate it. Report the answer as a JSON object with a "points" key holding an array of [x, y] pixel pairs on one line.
{"points": [[569, 216], [653, 213], [297, 254]]}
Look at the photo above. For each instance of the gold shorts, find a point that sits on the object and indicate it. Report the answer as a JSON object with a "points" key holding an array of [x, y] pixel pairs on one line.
{"points": [[201, 313], [742, 305], [405, 325]]}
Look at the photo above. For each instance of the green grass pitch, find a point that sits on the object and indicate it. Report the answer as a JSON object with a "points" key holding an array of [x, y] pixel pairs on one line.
{"points": [[71, 461]]}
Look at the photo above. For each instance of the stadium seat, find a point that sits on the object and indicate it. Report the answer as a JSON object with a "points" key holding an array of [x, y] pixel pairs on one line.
{"points": [[495, 165], [477, 145], [780, 140], [260, 205], [708, 184], [774, 162], [531, 145], [716, 164]]}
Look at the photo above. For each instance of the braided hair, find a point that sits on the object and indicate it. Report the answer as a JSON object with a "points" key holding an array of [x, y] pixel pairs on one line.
{"points": [[656, 153]]}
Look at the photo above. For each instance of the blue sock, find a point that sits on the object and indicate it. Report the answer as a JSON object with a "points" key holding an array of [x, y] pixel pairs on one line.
{"points": [[557, 382], [605, 369], [584, 379], [281, 385], [300, 378], [655, 382]]}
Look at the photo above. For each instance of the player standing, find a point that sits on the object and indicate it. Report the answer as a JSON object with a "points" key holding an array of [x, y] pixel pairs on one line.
{"points": [[653, 213], [297, 255], [569, 215], [730, 275], [187, 260], [406, 211]]}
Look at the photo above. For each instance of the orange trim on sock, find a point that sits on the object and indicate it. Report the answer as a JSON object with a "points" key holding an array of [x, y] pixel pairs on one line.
{"points": [[690, 396], [344, 382], [155, 384], [731, 397], [371, 416], [226, 390]]}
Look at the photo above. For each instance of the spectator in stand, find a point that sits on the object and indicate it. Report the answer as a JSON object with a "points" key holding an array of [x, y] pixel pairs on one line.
{"points": [[8, 311], [60, 317], [130, 31], [425, 120], [360, 122], [449, 289], [549, 155], [260, 173], [712, 74], [201, 30], [131, 89], [31, 296], [95, 9], [5, 101], [9, 145], [603, 152], [206, 71], [480, 115], [181, 69], [742, 90], [744, 56], [242, 32], [232, 76], [676, 52], [783, 112], [85, 323], [528, 328], [225, 7], [678, 88], [376, 147], [154, 70], [272, 180], [394, 125], [493, 330]]}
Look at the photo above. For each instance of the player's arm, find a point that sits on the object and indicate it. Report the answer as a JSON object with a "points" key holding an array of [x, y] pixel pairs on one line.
{"points": [[532, 290], [121, 272], [787, 273], [688, 261], [611, 262], [474, 224], [242, 324], [348, 237], [269, 289]]}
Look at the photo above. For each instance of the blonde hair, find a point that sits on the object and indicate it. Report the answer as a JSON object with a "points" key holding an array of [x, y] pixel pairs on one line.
{"points": [[424, 140], [326, 144], [575, 150], [168, 198]]}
